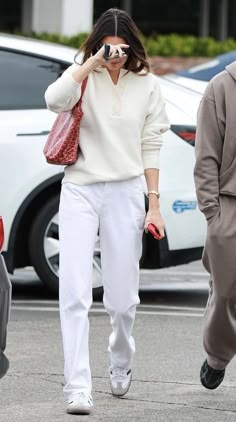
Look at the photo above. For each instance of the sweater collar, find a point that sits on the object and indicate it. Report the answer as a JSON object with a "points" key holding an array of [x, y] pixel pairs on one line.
{"points": [[123, 72]]}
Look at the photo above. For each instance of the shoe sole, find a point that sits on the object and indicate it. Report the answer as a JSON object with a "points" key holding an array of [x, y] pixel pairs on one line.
{"points": [[211, 387], [79, 411]]}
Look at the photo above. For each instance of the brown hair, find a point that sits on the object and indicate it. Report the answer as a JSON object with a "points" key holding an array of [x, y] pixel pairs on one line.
{"points": [[116, 22]]}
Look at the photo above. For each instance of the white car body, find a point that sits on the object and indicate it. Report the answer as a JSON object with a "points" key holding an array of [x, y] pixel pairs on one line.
{"points": [[197, 77], [186, 229], [23, 133], [193, 84]]}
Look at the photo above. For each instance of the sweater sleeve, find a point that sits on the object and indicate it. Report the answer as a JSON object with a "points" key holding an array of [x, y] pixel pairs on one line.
{"points": [[64, 93], [208, 151], [156, 123]]}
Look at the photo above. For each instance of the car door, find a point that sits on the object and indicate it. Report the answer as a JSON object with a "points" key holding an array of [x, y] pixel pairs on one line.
{"points": [[24, 125]]}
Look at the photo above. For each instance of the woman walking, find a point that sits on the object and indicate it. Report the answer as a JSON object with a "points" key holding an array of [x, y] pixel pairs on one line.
{"points": [[120, 139]]}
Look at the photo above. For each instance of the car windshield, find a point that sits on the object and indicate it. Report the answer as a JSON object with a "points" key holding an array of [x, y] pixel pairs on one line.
{"points": [[206, 71]]}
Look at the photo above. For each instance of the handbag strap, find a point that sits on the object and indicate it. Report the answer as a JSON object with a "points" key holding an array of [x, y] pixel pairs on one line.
{"points": [[84, 83], [83, 86]]}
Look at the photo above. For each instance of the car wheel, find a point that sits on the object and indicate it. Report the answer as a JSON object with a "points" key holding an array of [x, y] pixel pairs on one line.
{"points": [[44, 249]]}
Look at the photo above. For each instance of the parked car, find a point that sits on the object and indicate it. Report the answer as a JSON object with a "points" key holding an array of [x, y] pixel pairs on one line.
{"points": [[30, 187], [197, 77], [5, 300]]}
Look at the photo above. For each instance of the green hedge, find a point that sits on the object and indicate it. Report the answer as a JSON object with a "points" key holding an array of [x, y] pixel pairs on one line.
{"points": [[74, 41], [159, 45], [186, 46]]}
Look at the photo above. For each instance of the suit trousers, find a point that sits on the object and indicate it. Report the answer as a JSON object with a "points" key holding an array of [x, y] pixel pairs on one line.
{"points": [[219, 259], [117, 210]]}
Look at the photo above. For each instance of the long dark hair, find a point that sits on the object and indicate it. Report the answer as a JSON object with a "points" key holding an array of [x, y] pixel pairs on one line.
{"points": [[116, 22]]}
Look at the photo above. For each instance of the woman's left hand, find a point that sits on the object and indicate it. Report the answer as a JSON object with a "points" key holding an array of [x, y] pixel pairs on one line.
{"points": [[154, 216]]}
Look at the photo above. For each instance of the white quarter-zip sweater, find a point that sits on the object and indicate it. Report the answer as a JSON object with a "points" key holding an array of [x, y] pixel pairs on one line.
{"points": [[120, 132]]}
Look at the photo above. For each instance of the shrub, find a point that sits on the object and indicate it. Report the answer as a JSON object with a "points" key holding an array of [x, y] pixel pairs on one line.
{"points": [[157, 44]]}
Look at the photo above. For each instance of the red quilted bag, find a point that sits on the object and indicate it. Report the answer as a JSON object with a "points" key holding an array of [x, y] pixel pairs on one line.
{"points": [[62, 144]]}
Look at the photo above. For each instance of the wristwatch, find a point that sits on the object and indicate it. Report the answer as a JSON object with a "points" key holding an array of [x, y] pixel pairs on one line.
{"points": [[154, 192]]}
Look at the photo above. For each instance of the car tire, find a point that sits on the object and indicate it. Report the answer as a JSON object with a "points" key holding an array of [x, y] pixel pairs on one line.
{"points": [[45, 229], [36, 244]]}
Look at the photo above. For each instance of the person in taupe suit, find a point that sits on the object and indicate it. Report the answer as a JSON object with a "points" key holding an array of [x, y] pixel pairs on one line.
{"points": [[215, 180]]}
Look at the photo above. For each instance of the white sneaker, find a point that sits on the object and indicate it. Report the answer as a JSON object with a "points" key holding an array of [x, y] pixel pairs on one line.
{"points": [[81, 405], [120, 380]]}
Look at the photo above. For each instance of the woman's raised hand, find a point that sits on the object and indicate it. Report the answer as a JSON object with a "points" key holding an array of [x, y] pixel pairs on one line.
{"points": [[115, 52]]}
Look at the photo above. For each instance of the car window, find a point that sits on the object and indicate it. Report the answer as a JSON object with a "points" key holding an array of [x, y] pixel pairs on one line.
{"points": [[206, 71], [24, 79], [203, 72]]}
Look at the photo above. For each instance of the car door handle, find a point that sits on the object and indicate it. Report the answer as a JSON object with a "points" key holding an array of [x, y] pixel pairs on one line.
{"points": [[44, 132]]}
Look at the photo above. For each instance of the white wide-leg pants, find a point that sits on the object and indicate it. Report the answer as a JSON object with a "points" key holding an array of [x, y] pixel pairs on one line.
{"points": [[117, 209]]}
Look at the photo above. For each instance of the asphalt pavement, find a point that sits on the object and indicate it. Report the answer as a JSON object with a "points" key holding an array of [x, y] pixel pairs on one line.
{"points": [[165, 385], [190, 277]]}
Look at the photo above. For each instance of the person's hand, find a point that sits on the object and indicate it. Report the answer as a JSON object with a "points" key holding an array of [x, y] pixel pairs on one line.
{"points": [[154, 216], [115, 53]]}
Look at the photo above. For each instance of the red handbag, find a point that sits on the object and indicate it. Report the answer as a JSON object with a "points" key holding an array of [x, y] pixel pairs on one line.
{"points": [[62, 146]]}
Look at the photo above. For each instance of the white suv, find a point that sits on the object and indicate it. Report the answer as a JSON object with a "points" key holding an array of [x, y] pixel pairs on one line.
{"points": [[29, 187]]}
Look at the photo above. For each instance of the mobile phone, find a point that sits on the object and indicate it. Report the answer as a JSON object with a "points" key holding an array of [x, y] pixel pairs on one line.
{"points": [[107, 52], [154, 231]]}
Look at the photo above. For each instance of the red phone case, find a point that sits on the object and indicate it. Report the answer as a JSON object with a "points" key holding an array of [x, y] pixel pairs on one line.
{"points": [[154, 231]]}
